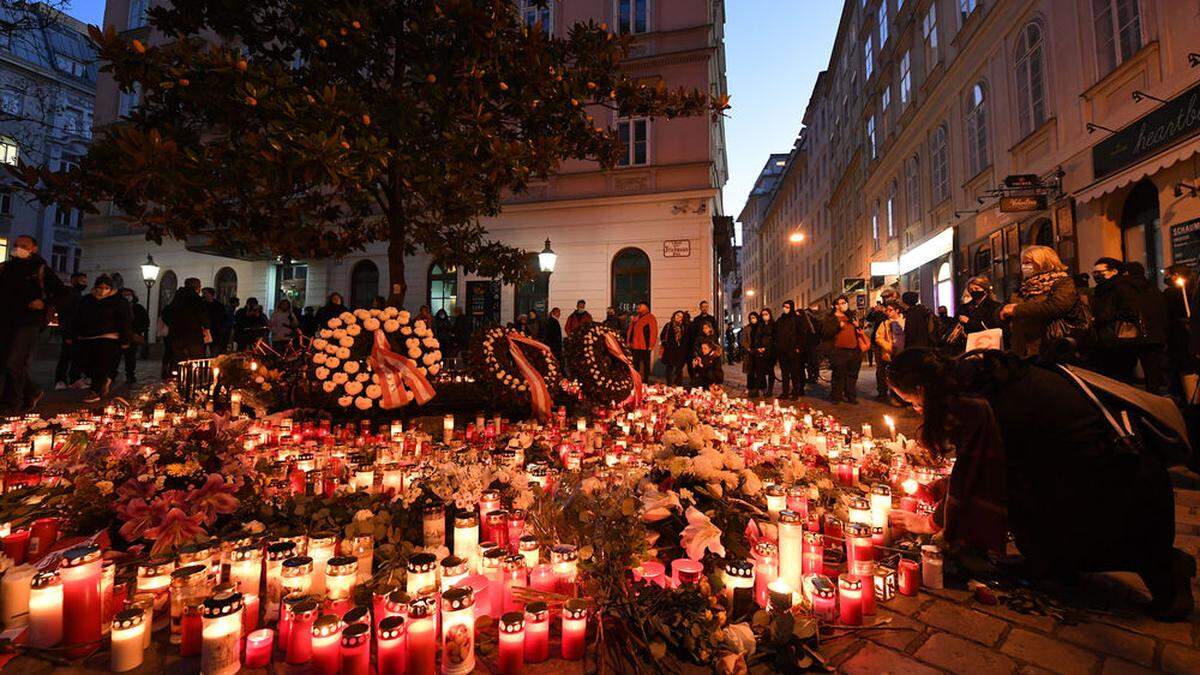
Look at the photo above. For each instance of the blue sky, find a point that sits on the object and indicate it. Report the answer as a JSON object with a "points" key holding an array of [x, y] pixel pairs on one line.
{"points": [[774, 50]]}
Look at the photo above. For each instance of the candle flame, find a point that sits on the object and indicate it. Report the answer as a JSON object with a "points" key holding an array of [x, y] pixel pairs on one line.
{"points": [[910, 486], [1180, 282], [887, 419], [779, 586]]}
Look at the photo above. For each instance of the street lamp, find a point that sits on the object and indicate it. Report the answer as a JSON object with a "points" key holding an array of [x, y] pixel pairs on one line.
{"points": [[547, 258], [749, 292], [796, 237], [150, 271]]}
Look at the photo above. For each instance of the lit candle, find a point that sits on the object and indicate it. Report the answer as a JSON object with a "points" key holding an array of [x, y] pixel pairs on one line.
{"points": [[466, 538], [849, 600], [128, 648], [542, 578], [276, 554], [258, 648], [393, 479], [454, 570], [574, 628], [891, 425], [14, 595], [422, 572], [909, 577], [326, 645], [797, 500], [885, 583], [235, 403], [222, 634], [433, 522], [776, 501], [43, 534], [515, 575], [860, 510], [321, 548], [287, 610], [301, 616], [528, 547], [447, 428], [356, 649], [512, 643], [738, 577], [81, 599], [245, 569], [341, 576], [791, 541], [779, 596], [46, 609], [824, 599], [881, 504], [931, 566], [397, 430], [189, 586], [422, 649], [537, 632], [496, 527], [866, 430], [160, 414], [458, 631], [860, 551], [581, 424], [493, 570], [686, 571], [298, 575], [362, 548], [391, 637], [154, 576], [814, 554], [16, 545]]}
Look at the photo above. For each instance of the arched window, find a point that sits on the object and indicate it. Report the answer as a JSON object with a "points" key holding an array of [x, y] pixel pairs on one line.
{"points": [[943, 288], [166, 289], [875, 225], [891, 209], [364, 284], [1042, 233], [977, 129], [225, 284], [939, 165], [912, 190], [1031, 79], [443, 288], [630, 279]]}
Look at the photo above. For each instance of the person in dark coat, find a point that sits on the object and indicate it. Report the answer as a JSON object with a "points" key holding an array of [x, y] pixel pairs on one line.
{"points": [[462, 332], [250, 324], [1047, 294], [981, 309], [29, 291], [672, 346], [187, 320], [553, 333], [443, 330], [707, 366], [104, 328], [1033, 449], [1152, 306], [1183, 329], [811, 318], [920, 325], [533, 324], [139, 332], [67, 371], [308, 321], [791, 339], [770, 356], [216, 322], [753, 344], [332, 308], [1116, 307], [695, 326], [613, 321]]}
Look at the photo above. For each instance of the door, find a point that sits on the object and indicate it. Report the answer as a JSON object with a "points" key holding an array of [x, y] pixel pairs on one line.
{"points": [[1141, 239]]}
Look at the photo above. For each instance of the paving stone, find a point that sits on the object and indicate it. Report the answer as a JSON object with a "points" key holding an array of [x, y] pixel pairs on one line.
{"points": [[964, 621], [1034, 670], [1115, 666], [951, 594], [1178, 631], [906, 604], [1111, 640], [963, 656], [875, 660], [901, 632], [1180, 659], [1042, 623], [1049, 653], [839, 648]]}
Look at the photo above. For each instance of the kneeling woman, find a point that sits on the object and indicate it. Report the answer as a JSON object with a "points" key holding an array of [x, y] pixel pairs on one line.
{"points": [[1033, 450]]}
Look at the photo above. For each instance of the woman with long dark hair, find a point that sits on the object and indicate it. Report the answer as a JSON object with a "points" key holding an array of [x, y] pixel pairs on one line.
{"points": [[753, 335], [1034, 455], [673, 349], [768, 353]]}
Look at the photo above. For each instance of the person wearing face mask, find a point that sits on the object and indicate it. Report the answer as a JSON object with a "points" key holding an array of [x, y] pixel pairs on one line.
{"points": [[67, 372], [1119, 324], [1047, 295], [104, 328], [29, 291], [840, 329]]}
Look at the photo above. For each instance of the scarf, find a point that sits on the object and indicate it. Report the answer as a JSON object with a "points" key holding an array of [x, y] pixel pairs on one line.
{"points": [[1039, 284]]}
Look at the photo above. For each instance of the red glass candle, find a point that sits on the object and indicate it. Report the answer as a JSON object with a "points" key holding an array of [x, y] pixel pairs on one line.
{"points": [[813, 561], [909, 577], [833, 528], [860, 551], [541, 578], [515, 576], [652, 572], [191, 627], [285, 618], [565, 559], [797, 500], [81, 599], [766, 569], [44, 534], [356, 649], [16, 546], [249, 613], [824, 599], [537, 632], [299, 641], [422, 638], [686, 570], [849, 600], [516, 528], [495, 527], [512, 643], [258, 648], [391, 640], [574, 629], [489, 500], [326, 645]]}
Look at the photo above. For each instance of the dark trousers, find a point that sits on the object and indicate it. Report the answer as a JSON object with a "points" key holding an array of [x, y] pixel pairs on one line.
{"points": [[17, 344], [1153, 359], [67, 370], [791, 375], [845, 364], [812, 362], [641, 363], [881, 374], [674, 374], [129, 356], [100, 360]]}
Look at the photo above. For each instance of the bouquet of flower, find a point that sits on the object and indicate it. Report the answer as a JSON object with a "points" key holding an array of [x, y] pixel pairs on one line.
{"points": [[505, 372]]}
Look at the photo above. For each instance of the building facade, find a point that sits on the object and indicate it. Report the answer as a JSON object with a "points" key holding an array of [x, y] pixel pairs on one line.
{"points": [[643, 231], [47, 95], [988, 126]]}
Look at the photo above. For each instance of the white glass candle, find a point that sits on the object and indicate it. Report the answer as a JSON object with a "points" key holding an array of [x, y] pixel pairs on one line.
{"points": [[45, 609], [422, 572], [276, 554], [454, 570], [466, 538], [128, 640], [235, 403], [776, 500], [321, 549], [298, 575], [447, 428], [362, 548], [14, 595], [154, 576], [341, 576], [220, 652], [528, 547], [791, 544], [245, 569], [458, 631]]}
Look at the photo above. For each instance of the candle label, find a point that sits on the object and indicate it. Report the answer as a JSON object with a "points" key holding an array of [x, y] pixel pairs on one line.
{"points": [[460, 644], [221, 655], [435, 531]]}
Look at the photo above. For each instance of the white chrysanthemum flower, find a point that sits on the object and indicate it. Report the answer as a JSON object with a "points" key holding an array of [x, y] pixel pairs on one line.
{"points": [[374, 391], [354, 388], [406, 330], [390, 312], [361, 313], [340, 377], [345, 401], [332, 362], [343, 353], [391, 326], [335, 323], [325, 333], [347, 317], [371, 324], [429, 359], [430, 342], [414, 353], [319, 358], [435, 369], [353, 329], [346, 342], [319, 343], [403, 316], [352, 367], [322, 373], [328, 387]]}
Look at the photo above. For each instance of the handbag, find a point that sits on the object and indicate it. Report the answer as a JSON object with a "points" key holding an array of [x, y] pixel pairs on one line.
{"points": [[864, 343], [1077, 324]]}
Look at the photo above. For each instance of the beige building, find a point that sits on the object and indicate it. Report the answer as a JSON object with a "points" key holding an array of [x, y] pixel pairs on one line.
{"points": [[641, 232], [992, 125]]}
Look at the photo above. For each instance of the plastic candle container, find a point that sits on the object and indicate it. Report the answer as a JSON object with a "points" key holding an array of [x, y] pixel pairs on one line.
{"points": [[515, 576], [422, 572], [276, 554], [515, 527], [791, 540], [108, 578], [391, 638], [860, 510], [779, 596], [527, 546], [422, 638], [341, 576], [258, 648], [43, 533], [512, 643], [301, 616], [46, 609], [222, 634], [824, 599], [860, 552], [144, 602], [128, 648], [489, 500], [326, 645], [285, 618], [245, 569], [154, 576], [495, 527], [881, 504], [14, 595], [931, 567], [908, 577], [433, 523], [362, 548], [297, 576], [766, 569], [81, 599], [884, 580], [565, 561], [356, 649], [797, 500], [776, 501], [493, 570], [321, 548], [537, 632], [454, 570], [357, 614], [651, 572], [466, 538], [737, 575], [458, 631], [574, 628], [849, 600], [16, 545], [814, 553], [203, 553]]}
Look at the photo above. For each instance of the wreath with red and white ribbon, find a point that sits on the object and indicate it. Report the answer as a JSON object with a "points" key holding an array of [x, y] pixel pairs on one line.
{"points": [[517, 369], [599, 359], [375, 358]]}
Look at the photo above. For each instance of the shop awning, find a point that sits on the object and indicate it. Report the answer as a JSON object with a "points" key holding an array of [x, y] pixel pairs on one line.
{"points": [[1133, 174]]}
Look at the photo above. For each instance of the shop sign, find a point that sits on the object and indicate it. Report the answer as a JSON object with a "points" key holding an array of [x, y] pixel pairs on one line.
{"points": [[931, 249], [1185, 243], [1022, 180], [1174, 121], [853, 285], [677, 248], [1020, 203]]}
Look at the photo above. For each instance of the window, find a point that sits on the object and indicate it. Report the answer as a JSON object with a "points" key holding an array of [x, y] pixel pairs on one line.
{"points": [[633, 16], [875, 225], [58, 258], [10, 102], [69, 66], [364, 284], [70, 122], [129, 101], [939, 166], [630, 279], [871, 134], [1031, 90], [634, 134], [225, 283], [885, 102], [443, 288], [8, 150], [3, 248], [929, 32], [891, 211], [966, 8], [62, 216], [6, 204], [912, 190], [533, 15], [977, 129], [883, 24], [905, 78], [1118, 31], [868, 63], [137, 14], [291, 283]]}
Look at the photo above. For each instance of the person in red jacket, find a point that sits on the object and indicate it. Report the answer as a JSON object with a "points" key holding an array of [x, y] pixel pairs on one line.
{"points": [[579, 318], [642, 336]]}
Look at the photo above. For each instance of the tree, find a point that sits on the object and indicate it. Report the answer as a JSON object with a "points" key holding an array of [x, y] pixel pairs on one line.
{"points": [[306, 128]]}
